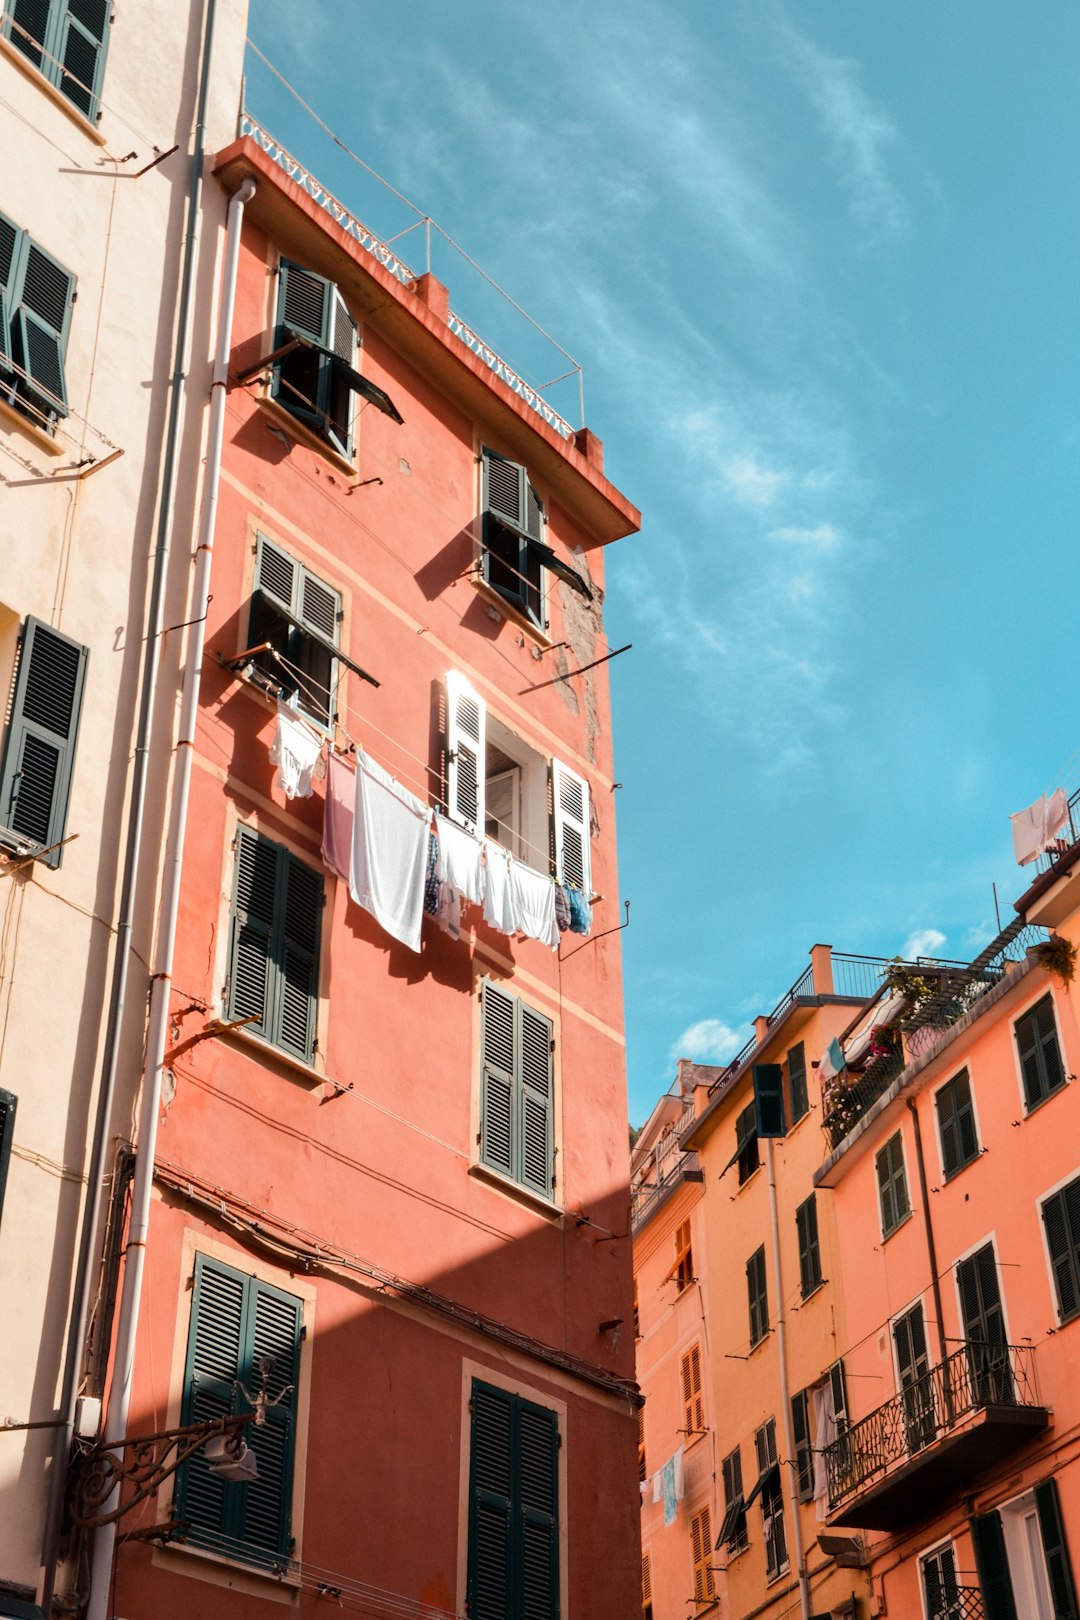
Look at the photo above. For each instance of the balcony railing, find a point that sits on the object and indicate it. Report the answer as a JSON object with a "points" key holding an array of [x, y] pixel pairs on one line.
{"points": [[954, 1602], [927, 1412], [665, 1170]]}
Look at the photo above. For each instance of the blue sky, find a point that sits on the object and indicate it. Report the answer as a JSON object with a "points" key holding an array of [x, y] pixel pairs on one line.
{"points": [[819, 263]]}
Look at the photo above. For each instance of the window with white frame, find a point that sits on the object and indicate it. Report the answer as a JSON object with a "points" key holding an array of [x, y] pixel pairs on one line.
{"points": [[36, 297]]}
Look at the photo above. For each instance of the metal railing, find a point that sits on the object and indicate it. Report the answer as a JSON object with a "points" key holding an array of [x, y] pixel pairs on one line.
{"points": [[949, 1602], [664, 1169], [977, 1375], [847, 1098], [1069, 834]]}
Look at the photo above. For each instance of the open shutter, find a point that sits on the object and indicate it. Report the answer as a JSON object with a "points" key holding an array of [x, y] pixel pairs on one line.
{"points": [[465, 753], [39, 332], [535, 1070], [250, 949], [9, 242], [809, 1252], [202, 1502], [1058, 1564], [992, 1562], [26, 25], [304, 309], [497, 1082], [797, 1091], [1061, 1218], [504, 490], [8, 1105], [304, 302], [35, 779], [491, 1561], [1040, 1055], [804, 1456], [341, 338], [538, 1443], [82, 52], [757, 1295], [768, 1099], [950, 1144], [271, 1330], [838, 1390], [301, 913], [573, 865]]}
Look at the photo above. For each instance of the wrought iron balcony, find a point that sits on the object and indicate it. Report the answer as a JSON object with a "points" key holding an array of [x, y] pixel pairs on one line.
{"points": [[950, 1602], [936, 1434], [666, 1168]]}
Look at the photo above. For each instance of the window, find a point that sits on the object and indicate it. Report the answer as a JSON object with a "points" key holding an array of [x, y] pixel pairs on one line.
{"points": [[8, 1105], [684, 1257], [746, 1143], [36, 294], [797, 1092], [956, 1124], [1040, 1055], [316, 380], [758, 1296], [512, 536], [39, 747], [733, 1534], [892, 1185], [804, 1451], [517, 1091], [769, 1099], [809, 1247], [241, 1329], [772, 1503], [496, 783], [1022, 1557], [700, 1553], [646, 1587], [940, 1589], [983, 1317], [1061, 1219], [513, 1569], [298, 615], [917, 1394], [693, 1406], [274, 944], [65, 40]]}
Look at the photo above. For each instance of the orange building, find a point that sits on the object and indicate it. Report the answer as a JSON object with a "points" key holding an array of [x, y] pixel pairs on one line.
{"points": [[386, 1135]]}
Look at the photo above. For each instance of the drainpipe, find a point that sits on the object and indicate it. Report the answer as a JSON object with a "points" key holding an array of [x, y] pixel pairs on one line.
{"points": [[785, 1395], [157, 1031], [86, 1267], [935, 1285]]}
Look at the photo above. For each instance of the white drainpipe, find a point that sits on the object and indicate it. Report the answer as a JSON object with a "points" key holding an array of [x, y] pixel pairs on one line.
{"points": [[157, 1033]]}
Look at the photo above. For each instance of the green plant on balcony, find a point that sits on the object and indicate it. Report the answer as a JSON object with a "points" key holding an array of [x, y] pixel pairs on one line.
{"points": [[1058, 956], [905, 980]]}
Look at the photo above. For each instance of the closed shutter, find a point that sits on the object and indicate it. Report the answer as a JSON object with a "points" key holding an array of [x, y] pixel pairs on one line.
{"points": [[274, 949], [537, 1150], [465, 753], [539, 1441], [984, 1328], [797, 1091], [913, 1371], [497, 1080], [39, 750], [1061, 1218], [992, 1562], [769, 1099], [8, 1105], [956, 1123], [298, 988], [809, 1249], [892, 1185], [572, 850], [204, 1504], [27, 27], [804, 1455], [272, 1333], [757, 1295], [491, 1526], [1040, 1055], [700, 1550], [1058, 1564], [83, 30], [693, 1407], [513, 1508], [250, 992], [39, 322], [290, 608]]}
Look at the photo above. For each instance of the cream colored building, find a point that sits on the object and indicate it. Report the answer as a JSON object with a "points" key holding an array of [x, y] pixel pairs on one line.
{"points": [[100, 127]]}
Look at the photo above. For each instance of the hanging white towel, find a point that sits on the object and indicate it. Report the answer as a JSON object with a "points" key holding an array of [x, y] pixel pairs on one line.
{"points": [[533, 897], [448, 912], [1033, 829], [296, 751], [389, 851], [498, 898], [460, 859], [338, 816]]}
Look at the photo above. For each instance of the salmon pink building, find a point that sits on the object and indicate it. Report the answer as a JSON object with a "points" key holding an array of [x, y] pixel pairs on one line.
{"points": [[383, 1140]]}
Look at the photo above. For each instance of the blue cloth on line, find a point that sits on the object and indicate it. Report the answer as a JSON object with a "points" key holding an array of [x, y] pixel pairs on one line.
{"points": [[580, 912], [431, 877], [562, 908]]}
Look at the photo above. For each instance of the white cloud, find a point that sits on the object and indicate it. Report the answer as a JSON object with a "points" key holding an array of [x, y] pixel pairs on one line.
{"points": [[709, 1041], [823, 537], [923, 942], [752, 483]]}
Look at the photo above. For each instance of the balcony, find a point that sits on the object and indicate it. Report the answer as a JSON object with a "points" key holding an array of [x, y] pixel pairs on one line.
{"points": [[664, 1171], [935, 1436], [954, 1602]]}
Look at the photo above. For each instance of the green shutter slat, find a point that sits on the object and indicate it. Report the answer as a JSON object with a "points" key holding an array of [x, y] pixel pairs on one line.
{"points": [[39, 749], [250, 993], [297, 955], [304, 301], [797, 1089], [757, 1295], [809, 1249], [490, 1584], [8, 1104], [202, 1502], [27, 27], [1061, 1218], [83, 55], [1040, 1056], [1055, 1547], [992, 1562], [769, 1099], [534, 1069], [513, 1509], [272, 1330], [41, 311]]}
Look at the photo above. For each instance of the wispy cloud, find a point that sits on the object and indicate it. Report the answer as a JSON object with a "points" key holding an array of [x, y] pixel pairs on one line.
{"points": [[823, 537], [709, 1041], [923, 942]]}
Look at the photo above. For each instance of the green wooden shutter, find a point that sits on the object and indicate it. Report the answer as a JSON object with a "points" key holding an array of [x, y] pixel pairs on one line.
{"points": [[1061, 1218], [539, 1474], [8, 1105], [992, 1562], [534, 1069], [498, 1042], [1055, 1547], [203, 1503], [956, 1122], [769, 1099], [272, 1328], [40, 317], [82, 34], [297, 956], [304, 308], [984, 1327], [746, 1142], [39, 749], [288, 600], [797, 1091], [512, 515], [804, 1456], [255, 902], [806, 1227], [26, 25], [757, 1294], [492, 1561], [1040, 1054], [892, 1185]]}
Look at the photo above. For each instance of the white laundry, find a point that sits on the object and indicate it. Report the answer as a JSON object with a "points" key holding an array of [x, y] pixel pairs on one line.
{"points": [[533, 898], [338, 816], [1033, 829], [460, 859], [389, 851], [498, 897], [296, 750], [448, 910]]}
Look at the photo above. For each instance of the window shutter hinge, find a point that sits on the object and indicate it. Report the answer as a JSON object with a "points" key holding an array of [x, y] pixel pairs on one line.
{"points": [[303, 1332]]}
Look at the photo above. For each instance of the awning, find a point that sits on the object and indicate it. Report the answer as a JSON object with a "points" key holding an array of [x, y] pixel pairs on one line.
{"points": [[765, 1478]]}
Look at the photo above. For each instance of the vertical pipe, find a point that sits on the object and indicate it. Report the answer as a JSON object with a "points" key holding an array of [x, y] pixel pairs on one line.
{"points": [[90, 1233], [785, 1395], [157, 1032]]}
